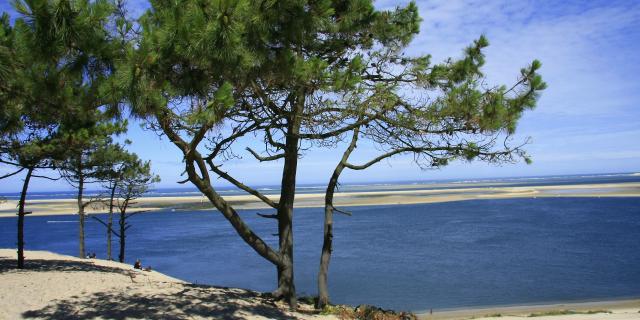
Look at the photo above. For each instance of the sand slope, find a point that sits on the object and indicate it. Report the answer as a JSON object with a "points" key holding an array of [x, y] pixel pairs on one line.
{"points": [[605, 310], [63, 287]]}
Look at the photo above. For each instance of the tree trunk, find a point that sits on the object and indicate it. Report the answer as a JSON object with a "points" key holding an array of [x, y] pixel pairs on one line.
{"points": [[286, 284], [122, 223], [327, 244], [21, 205], [81, 251], [110, 222], [325, 258]]}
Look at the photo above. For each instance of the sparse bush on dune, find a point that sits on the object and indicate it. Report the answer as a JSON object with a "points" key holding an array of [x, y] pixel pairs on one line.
{"points": [[366, 312]]}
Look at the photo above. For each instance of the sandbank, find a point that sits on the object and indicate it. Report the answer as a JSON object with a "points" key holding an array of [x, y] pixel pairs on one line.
{"points": [[401, 195]]}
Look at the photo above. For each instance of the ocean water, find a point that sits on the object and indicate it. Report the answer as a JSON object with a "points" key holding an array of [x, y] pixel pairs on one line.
{"points": [[409, 257], [386, 186]]}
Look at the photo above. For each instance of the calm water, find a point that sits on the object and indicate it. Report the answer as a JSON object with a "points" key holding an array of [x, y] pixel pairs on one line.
{"points": [[412, 257], [395, 186]]}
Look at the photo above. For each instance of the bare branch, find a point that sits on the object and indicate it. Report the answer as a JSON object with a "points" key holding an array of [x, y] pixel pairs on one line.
{"points": [[269, 216], [269, 158], [341, 211], [45, 177], [106, 226], [382, 157], [11, 174], [242, 186], [134, 213]]}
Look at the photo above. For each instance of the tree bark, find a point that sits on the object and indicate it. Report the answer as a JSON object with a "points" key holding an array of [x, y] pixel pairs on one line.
{"points": [[122, 223], [110, 222], [327, 244], [21, 213], [325, 258], [286, 281], [204, 185], [81, 251]]}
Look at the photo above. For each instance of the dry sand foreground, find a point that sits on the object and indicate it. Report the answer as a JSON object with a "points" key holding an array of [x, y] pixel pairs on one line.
{"points": [[408, 195], [62, 287], [605, 310]]}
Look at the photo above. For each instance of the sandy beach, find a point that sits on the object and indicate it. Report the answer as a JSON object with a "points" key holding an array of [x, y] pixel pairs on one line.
{"points": [[606, 310], [63, 287], [407, 194]]}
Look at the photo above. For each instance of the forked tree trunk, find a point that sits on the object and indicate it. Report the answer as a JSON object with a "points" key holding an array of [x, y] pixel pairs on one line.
{"points": [[242, 229], [21, 213]]}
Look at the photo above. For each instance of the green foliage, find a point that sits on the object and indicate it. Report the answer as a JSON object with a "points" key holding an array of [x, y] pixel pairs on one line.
{"points": [[61, 57], [135, 179], [299, 74]]}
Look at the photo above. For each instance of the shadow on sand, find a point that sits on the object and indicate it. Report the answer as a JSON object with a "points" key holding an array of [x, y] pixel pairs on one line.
{"points": [[144, 300], [57, 265], [189, 302]]}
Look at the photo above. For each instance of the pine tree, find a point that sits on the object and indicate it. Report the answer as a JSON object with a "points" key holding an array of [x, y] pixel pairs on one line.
{"points": [[137, 178], [302, 74], [85, 163], [62, 54]]}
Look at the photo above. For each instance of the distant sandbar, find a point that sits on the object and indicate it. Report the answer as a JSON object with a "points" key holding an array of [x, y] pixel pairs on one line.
{"points": [[401, 195]]}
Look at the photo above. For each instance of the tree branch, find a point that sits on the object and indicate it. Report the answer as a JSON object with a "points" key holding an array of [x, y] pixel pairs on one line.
{"points": [[269, 216], [106, 226], [269, 158], [11, 174], [380, 158], [341, 211], [45, 177], [242, 186]]}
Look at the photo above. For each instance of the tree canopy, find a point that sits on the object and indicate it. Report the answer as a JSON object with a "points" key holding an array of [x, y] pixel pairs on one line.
{"points": [[212, 75], [301, 74]]}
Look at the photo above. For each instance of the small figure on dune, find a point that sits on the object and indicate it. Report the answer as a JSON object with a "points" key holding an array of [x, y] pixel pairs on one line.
{"points": [[138, 265]]}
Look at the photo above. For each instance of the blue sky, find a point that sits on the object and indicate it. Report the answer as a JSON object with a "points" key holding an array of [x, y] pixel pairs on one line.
{"points": [[587, 121]]}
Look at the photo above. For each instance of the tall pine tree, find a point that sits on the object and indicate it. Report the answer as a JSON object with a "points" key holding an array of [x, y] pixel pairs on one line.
{"points": [[303, 74]]}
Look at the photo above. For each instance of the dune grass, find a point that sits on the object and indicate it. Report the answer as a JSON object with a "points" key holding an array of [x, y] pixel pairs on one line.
{"points": [[565, 312]]}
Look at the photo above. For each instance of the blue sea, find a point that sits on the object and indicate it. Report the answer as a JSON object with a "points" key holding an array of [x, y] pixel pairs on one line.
{"points": [[380, 186], [407, 257]]}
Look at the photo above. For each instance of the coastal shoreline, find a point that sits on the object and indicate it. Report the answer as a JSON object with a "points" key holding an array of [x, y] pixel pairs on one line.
{"points": [[55, 286], [588, 309], [95, 288], [406, 195]]}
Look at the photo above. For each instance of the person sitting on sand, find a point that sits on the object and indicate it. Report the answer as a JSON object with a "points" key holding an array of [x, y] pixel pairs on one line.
{"points": [[137, 265]]}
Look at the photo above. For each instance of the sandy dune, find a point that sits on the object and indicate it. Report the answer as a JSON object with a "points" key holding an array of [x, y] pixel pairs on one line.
{"points": [[605, 310], [63, 287], [406, 195]]}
